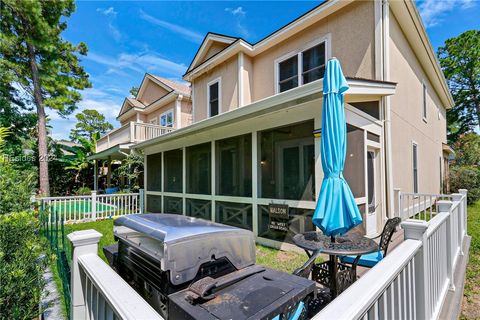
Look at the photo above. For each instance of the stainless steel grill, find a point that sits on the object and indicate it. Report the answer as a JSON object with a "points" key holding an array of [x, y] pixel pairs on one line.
{"points": [[179, 264]]}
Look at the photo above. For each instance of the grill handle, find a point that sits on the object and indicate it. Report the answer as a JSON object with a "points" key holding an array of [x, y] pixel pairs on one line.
{"points": [[204, 286]]}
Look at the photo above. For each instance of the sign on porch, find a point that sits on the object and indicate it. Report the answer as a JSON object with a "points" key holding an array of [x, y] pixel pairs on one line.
{"points": [[278, 214]]}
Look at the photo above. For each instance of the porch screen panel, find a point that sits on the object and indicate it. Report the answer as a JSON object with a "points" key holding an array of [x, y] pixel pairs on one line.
{"points": [[173, 205], [173, 161], [199, 208], [198, 160], [234, 214], [154, 203], [354, 171], [154, 172], [234, 166], [287, 162]]}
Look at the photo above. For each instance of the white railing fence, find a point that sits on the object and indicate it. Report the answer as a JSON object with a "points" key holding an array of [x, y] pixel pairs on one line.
{"points": [[413, 280], [420, 206], [147, 131], [73, 209], [98, 292]]}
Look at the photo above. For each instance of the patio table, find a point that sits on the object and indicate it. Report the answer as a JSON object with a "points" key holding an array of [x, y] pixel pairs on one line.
{"points": [[333, 274]]}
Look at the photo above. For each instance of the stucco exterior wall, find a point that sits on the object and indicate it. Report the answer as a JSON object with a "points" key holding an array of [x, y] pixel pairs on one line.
{"points": [[151, 93], [186, 110], [408, 125], [228, 72], [352, 42]]}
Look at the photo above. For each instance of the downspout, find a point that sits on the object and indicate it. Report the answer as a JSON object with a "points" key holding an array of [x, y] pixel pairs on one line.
{"points": [[386, 101]]}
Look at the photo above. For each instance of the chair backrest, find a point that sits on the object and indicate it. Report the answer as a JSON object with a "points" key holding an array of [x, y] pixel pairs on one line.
{"points": [[387, 233]]}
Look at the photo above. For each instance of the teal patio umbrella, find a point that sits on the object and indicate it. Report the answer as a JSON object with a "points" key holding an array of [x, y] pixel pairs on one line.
{"points": [[336, 211]]}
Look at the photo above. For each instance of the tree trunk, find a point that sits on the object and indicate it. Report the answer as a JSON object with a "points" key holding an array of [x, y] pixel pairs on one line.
{"points": [[42, 126]]}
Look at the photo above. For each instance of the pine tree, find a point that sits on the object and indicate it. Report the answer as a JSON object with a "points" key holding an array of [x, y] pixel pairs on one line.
{"points": [[41, 62]]}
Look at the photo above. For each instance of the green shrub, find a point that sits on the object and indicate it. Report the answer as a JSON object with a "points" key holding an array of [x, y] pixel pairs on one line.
{"points": [[83, 191], [16, 187], [21, 266], [466, 177]]}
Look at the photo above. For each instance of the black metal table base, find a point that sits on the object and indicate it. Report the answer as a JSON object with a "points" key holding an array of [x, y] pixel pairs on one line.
{"points": [[334, 275]]}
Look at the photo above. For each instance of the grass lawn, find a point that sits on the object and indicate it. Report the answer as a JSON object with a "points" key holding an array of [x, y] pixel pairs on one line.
{"points": [[268, 257], [471, 296]]}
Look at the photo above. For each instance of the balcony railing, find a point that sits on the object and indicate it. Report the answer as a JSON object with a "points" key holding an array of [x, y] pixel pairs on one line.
{"points": [[131, 132]]}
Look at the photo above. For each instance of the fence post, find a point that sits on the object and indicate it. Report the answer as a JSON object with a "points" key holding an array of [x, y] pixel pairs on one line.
{"points": [[141, 194], [457, 197], [83, 242], [398, 199], [445, 206], [464, 211], [417, 230], [94, 205]]}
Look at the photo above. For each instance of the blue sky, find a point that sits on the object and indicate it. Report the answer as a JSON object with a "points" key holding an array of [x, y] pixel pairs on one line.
{"points": [[128, 38]]}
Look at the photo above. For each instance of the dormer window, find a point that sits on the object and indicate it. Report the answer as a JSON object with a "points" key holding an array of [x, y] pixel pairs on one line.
{"points": [[214, 97], [301, 67]]}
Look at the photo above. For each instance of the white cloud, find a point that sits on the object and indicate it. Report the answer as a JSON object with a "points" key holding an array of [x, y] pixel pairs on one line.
{"points": [[236, 11], [239, 16], [434, 11], [138, 62], [108, 11], [187, 33]]}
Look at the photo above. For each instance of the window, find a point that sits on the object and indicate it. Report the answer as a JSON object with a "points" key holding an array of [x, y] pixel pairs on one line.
{"points": [[415, 167], [214, 98], [166, 119], [287, 162], [424, 101], [154, 172], [312, 67], [313, 63], [234, 166], [173, 162], [288, 72], [198, 164]]}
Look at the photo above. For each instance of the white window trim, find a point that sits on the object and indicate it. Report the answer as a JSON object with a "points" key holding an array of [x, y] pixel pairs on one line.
{"points": [[327, 39], [219, 81], [424, 102], [414, 143], [165, 113]]}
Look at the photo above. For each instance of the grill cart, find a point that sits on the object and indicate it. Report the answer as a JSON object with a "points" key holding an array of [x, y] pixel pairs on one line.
{"points": [[189, 268]]}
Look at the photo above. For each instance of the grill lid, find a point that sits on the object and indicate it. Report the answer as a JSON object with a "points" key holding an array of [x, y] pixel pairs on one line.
{"points": [[182, 244]]}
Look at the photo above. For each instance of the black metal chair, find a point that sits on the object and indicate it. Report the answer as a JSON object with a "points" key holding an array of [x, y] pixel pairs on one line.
{"points": [[371, 259]]}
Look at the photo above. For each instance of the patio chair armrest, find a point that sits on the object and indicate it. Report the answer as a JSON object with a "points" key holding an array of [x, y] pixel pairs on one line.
{"points": [[304, 271]]}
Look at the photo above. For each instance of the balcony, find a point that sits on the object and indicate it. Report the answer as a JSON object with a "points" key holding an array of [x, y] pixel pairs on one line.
{"points": [[129, 133]]}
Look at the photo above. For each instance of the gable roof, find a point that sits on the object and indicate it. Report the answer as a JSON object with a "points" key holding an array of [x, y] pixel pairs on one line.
{"points": [[209, 39], [405, 10], [174, 86], [128, 104]]}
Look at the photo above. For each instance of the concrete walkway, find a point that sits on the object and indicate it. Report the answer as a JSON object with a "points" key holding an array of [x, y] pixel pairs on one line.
{"points": [[51, 302]]}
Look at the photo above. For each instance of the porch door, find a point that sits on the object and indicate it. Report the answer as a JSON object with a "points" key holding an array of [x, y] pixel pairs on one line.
{"points": [[373, 190], [295, 159]]}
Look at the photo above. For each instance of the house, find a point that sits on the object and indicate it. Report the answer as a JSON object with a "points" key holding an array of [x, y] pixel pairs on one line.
{"points": [[256, 120], [160, 106]]}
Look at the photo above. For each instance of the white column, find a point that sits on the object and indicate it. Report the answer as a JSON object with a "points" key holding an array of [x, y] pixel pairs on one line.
{"points": [[397, 202], [83, 242], [417, 230], [95, 175], [445, 207], [457, 197]]}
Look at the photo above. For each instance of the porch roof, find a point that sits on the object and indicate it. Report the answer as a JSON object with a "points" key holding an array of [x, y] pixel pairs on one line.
{"points": [[360, 90], [117, 152]]}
